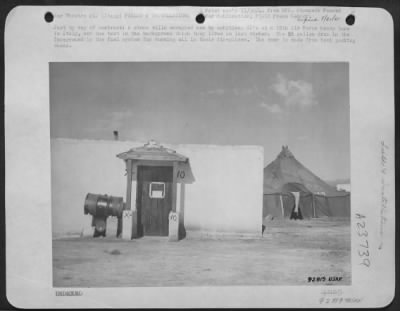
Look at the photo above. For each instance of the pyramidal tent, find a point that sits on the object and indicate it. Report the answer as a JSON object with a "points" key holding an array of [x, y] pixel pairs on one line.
{"points": [[287, 169], [285, 178]]}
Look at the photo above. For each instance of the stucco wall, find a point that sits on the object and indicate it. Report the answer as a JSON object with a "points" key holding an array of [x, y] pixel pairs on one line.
{"points": [[223, 185]]}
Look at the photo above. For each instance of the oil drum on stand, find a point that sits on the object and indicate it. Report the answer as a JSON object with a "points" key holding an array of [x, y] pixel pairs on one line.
{"points": [[102, 206]]}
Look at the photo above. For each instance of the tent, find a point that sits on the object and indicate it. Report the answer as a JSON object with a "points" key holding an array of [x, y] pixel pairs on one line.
{"points": [[286, 177]]}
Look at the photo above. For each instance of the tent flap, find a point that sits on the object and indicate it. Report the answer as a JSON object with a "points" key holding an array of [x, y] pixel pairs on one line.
{"points": [[310, 205]]}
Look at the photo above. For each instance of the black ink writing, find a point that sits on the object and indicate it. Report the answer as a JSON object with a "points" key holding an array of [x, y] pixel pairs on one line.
{"points": [[363, 246], [172, 217], [180, 174], [69, 293], [384, 199], [338, 300], [312, 279]]}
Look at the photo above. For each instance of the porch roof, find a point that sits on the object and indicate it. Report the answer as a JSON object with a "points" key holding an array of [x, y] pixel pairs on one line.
{"points": [[152, 151]]}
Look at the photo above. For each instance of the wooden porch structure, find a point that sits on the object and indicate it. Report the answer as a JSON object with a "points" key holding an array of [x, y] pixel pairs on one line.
{"points": [[140, 203]]}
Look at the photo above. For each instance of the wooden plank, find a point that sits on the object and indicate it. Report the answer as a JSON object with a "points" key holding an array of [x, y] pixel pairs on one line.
{"points": [[139, 186], [173, 197], [129, 184], [167, 207]]}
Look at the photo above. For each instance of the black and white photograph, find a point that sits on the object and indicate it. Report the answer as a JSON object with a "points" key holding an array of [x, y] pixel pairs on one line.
{"points": [[199, 157], [200, 173]]}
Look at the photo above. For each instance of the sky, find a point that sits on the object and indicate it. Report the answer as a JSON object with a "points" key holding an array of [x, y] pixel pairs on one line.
{"points": [[302, 105]]}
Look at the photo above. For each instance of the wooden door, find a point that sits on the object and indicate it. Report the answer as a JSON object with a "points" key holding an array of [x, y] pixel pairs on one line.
{"points": [[154, 199]]}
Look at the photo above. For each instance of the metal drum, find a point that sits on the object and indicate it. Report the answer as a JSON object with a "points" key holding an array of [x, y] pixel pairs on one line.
{"points": [[99, 205]]}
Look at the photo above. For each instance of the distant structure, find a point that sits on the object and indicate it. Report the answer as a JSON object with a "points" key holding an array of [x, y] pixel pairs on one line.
{"points": [[287, 169], [293, 191], [115, 135], [343, 187]]}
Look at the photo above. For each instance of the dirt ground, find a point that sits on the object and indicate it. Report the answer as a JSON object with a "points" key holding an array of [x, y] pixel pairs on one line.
{"points": [[289, 253]]}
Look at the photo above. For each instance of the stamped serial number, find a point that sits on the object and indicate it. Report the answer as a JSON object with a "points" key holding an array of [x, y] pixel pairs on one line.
{"points": [[312, 279], [363, 245]]}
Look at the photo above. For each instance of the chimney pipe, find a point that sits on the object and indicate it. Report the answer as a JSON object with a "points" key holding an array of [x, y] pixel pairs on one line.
{"points": [[115, 135]]}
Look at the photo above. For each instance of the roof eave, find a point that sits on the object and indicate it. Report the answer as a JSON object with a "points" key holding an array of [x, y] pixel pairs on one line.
{"points": [[172, 158]]}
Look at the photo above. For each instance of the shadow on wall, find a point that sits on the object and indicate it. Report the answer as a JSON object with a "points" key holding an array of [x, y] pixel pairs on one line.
{"points": [[184, 176]]}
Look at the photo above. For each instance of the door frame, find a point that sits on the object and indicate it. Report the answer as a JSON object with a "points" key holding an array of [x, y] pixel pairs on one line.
{"points": [[139, 193]]}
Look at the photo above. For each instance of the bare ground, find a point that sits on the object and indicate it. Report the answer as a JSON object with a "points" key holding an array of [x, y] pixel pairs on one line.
{"points": [[288, 254]]}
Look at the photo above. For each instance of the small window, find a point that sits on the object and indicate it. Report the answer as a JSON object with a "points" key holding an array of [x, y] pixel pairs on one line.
{"points": [[157, 190]]}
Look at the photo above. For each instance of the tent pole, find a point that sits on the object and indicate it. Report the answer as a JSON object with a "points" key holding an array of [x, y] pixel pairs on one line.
{"points": [[313, 204], [327, 204], [283, 213]]}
